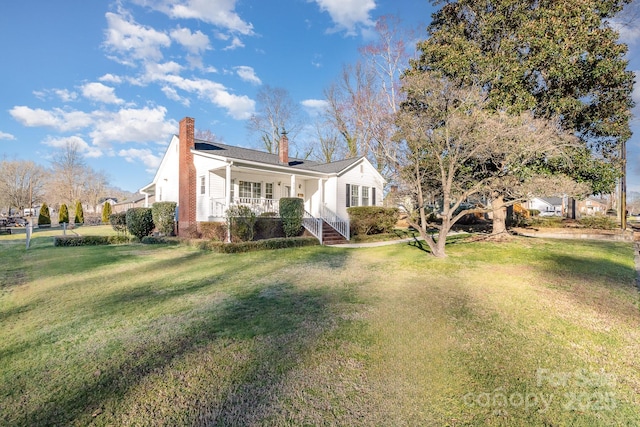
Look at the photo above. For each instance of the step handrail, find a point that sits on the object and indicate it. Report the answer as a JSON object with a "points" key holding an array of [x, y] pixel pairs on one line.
{"points": [[313, 225], [341, 225]]}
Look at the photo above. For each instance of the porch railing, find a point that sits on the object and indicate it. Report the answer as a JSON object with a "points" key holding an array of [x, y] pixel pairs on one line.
{"points": [[259, 206], [313, 225], [218, 207], [341, 225]]}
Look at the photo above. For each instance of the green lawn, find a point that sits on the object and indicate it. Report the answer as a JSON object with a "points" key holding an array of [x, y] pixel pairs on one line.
{"points": [[527, 332]]}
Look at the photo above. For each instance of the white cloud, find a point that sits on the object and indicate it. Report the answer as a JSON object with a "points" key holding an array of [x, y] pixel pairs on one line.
{"points": [[235, 44], [150, 160], [348, 14], [65, 95], [314, 107], [173, 94], [131, 125], [56, 118], [101, 93], [217, 12], [110, 78], [5, 135], [132, 41], [82, 146], [248, 74], [194, 42]]}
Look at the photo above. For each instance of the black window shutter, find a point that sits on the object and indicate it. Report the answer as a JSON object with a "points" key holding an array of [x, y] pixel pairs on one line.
{"points": [[348, 195], [373, 196]]}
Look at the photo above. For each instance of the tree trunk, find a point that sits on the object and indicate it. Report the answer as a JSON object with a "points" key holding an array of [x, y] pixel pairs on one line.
{"points": [[499, 216]]}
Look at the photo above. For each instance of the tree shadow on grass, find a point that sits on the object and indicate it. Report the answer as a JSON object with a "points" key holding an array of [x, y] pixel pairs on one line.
{"points": [[278, 315]]}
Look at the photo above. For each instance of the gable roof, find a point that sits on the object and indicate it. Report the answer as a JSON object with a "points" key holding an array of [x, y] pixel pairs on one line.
{"points": [[248, 154]]}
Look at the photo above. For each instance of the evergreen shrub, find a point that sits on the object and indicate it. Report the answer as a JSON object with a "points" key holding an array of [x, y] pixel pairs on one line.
{"points": [[291, 213], [367, 220], [45, 216], [118, 222], [140, 222], [63, 215], [79, 217], [163, 214]]}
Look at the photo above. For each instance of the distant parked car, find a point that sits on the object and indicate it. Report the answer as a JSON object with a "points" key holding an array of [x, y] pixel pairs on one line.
{"points": [[18, 222]]}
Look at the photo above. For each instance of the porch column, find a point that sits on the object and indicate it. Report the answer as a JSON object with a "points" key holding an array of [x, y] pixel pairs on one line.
{"points": [[294, 188], [227, 195], [227, 183], [320, 195]]}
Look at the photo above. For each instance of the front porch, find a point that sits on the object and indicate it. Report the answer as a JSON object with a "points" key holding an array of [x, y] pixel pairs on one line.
{"points": [[323, 225]]}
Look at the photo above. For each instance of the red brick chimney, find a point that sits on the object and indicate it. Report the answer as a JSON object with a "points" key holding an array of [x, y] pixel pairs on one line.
{"points": [[283, 148], [186, 177]]}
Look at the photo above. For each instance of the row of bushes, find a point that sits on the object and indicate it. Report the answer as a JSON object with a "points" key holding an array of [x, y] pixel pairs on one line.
{"points": [[257, 245], [141, 222], [90, 240]]}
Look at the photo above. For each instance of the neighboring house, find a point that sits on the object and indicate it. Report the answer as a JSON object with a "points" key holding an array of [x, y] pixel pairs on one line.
{"points": [[592, 206], [548, 206], [137, 202], [206, 178]]}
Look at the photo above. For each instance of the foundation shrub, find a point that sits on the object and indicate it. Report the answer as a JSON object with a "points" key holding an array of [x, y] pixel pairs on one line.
{"points": [[366, 220]]}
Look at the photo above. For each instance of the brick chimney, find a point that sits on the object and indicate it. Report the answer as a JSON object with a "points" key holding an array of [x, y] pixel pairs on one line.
{"points": [[186, 177], [283, 148]]}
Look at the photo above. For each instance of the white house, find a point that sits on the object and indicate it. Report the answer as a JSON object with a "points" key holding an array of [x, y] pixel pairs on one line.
{"points": [[206, 178], [548, 206]]}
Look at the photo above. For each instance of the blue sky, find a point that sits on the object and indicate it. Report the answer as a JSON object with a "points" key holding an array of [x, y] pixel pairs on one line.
{"points": [[116, 77]]}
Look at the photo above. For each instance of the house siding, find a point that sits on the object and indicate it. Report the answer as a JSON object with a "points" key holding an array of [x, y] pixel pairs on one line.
{"points": [[361, 175]]}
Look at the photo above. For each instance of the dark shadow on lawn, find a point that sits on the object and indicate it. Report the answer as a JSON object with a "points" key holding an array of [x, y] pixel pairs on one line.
{"points": [[279, 314]]}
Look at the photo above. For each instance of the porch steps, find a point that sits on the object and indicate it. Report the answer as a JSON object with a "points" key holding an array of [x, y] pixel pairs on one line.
{"points": [[330, 236]]}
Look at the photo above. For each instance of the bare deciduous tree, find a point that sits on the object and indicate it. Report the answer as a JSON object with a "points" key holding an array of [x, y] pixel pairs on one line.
{"points": [[21, 184], [277, 112], [453, 149]]}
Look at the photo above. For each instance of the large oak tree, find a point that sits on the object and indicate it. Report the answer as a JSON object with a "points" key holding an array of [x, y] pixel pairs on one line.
{"points": [[555, 58]]}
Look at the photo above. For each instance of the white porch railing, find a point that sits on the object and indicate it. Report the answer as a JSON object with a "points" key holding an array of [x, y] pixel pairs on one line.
{"points": [[341, 225], [259, 206], [218, 207], [313, 225]]}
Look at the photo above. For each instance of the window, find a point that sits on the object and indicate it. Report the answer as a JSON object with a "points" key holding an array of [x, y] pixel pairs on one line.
{"points": [[365, 196], [250, 190], [268, 190], [203, 186], [355, 196]]}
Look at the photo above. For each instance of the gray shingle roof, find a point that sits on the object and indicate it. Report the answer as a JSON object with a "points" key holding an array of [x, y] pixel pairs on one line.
{"points": [[247, 154]]}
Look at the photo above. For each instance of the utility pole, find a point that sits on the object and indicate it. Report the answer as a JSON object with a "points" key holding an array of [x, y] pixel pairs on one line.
{"points": [[623, 188]]}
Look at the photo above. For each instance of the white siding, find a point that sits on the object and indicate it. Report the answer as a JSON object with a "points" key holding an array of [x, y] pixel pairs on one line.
{"points": [[166, 178], [361, 174]]}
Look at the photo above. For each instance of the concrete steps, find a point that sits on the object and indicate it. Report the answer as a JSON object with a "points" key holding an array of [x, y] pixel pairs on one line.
{"points": [[330, 236]]}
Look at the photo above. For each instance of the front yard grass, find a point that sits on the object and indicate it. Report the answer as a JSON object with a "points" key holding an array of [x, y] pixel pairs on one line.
{"points": [[524, 332]]}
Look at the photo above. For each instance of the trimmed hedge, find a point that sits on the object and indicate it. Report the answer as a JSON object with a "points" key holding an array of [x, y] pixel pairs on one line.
{"points": [[163, 214], [66, 241], [367, 220], [106, 212], [79, 216], [160, 240], [258, 245], [44, 218], [291, 212], [140, 222], [63, 215]]}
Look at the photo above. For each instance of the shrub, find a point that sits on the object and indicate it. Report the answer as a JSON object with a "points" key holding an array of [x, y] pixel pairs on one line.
{"points": [[599, 222], [259, 245], [66, 241], [79, 217], [190, 232], [118, 222], [163, 214], [152, 240], [241, 221], [534, 212], [372, 219], [106, 212], [140, 222], [45, 217], [291, 212], [63, 215], [214, 231]]}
